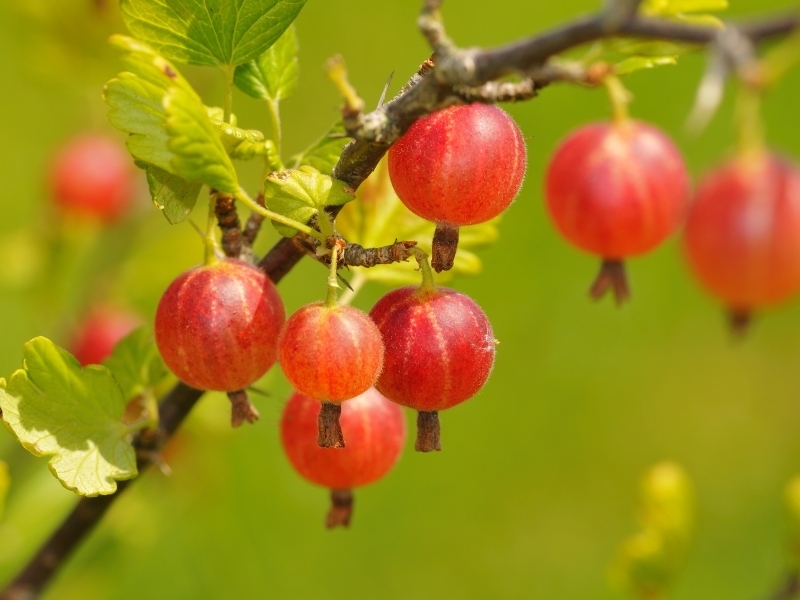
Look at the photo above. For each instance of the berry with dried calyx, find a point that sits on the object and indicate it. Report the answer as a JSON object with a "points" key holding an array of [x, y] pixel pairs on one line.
{"points": [[440, 350], [217, 328], [742, 235], [375, 430], [616, 190], [459, 166]]}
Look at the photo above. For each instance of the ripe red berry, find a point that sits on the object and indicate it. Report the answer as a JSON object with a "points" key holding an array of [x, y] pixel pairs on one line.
{"points": [[616, 190], [742, 236], [331, 353], [93, 175], [375, 430], [217, 326], [459, 166], [439, 352], [99, 333]]}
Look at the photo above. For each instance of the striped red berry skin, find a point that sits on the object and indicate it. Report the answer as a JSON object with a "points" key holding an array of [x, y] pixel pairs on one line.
{"points": [[617, 189], [375, 430], [330, 353], [462, 165], [440, 347], [742, 236], [217, 326]]}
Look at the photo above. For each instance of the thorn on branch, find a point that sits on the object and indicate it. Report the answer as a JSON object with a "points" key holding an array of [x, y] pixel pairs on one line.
{"points": [[228, 221]]}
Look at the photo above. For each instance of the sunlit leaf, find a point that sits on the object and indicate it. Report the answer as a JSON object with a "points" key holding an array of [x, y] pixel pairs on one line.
{"points": [[210, 32], [300, 193], [57, 409], [198, 152], [273, 75], [174, 195], [136, 363], [168, 124]]}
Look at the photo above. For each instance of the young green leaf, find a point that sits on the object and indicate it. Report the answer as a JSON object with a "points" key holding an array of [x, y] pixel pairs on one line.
{"points": [[324, 153], [168, 123], [198, 152], [5, 482], [379, 218], [273, 75], [136, 364], [300, 193], [57, 409], [173, 195], [210, 32], [245, 144]]}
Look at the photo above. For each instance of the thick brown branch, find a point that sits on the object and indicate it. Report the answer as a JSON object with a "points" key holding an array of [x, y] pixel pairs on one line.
{"points": [[253, 226]]}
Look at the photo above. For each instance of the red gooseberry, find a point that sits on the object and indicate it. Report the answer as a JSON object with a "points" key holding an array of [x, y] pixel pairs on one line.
{"points": [[742, 236], [97, 335], [459, 166], [375, 430], [331, 353], [217, 328], [616, 190], [439, 352], [93, 175]]}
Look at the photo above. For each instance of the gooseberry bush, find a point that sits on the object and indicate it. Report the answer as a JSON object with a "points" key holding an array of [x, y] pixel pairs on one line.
{"points": [[455, 163]]}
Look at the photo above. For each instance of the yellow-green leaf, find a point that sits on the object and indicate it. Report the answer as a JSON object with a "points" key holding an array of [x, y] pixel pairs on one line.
{"points": [[55, 408]]}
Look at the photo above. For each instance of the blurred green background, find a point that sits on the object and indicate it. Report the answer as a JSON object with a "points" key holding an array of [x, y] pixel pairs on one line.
{"points": [[538, 481]]}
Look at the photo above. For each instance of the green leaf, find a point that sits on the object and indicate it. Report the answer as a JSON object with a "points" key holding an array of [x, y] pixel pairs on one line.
{"points": [[300, 193], [5, 482], [173, 195], [136, 364], [210, 32], [324, 153], [379, 218], [198, 152], [635, 63], [57, 409], [244, 144], [168, 123], [273, 75]]}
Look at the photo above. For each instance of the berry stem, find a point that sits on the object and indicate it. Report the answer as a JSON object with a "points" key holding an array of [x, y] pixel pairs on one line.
{"points": [[428, 284], [750, 128], [739, 321], [333, 280], [255, 207], [428, 432], [330, 431], [211, 245], [445, 245], [619, 96], [341, 508]]}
